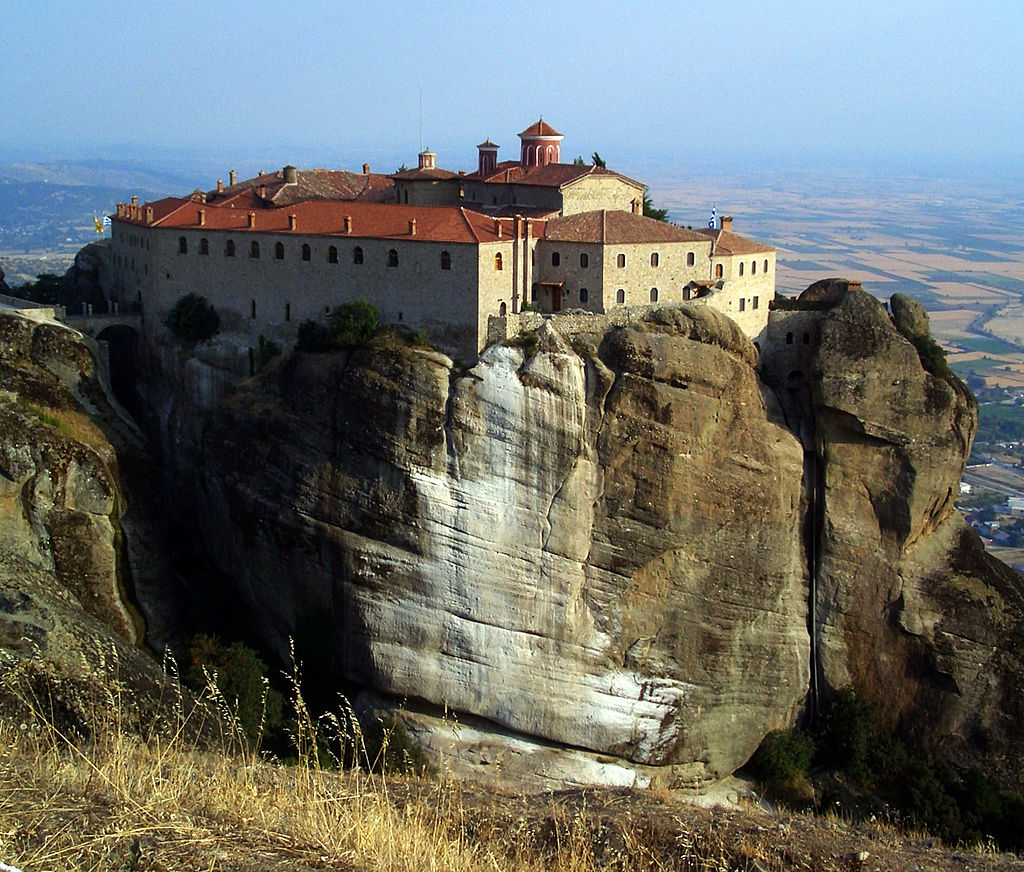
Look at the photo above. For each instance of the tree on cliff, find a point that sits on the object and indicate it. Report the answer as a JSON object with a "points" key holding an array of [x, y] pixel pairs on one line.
{"points": [[193, 319], [349, 324]]}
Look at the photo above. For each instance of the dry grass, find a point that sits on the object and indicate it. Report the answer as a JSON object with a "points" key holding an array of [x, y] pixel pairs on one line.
{"points": [[167, 802]]}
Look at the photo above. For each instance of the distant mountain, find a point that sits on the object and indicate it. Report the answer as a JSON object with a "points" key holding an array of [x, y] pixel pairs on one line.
{"points": [[98, 173]]}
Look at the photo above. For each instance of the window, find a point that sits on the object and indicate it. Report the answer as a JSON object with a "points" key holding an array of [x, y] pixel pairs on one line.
{"points": [[182, 245], [766, 265], [686, 293], [254, 249], [357, 255], [252, 309], [690, 258], [741, 267], [533, 293], [307, 252], [446, 260], [279, 251], [654, 295], [287, 311], [204, 246], [620, 294], [229, 248], [753, 303], [654, 258], [789, 339], [807, 338], [502, 310], [621, 261], [718, 271], [332, 254], [556, 258], [584, 295], [584, 260], [392, 257], [753, 267], [497, 261], [743, 305]]}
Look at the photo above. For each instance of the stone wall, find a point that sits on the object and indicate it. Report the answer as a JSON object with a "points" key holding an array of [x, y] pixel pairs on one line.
{"points": [[600, 192]]}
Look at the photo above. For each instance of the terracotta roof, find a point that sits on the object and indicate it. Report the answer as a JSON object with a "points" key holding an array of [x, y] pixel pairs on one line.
{"points": [[614, 227], [552, 175], [327, 218], [488, 144], [540, 128], [312, 185], [727, 242], [431, 173]]}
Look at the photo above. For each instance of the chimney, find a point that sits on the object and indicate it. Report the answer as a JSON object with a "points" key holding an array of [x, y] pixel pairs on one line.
{"points": [[232, 177], [263, 192], [292, 221], [348, 223], [201, 217], [220, 186], [149, 214], [412, 226], [497, 228], [727, 222], [252, 218], [291, 175], [120, 210], [135, 200], [366, 169]]}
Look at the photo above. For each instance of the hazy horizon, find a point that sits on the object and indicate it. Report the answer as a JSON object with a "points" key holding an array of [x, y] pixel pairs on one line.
{"points": [[903, 85]]}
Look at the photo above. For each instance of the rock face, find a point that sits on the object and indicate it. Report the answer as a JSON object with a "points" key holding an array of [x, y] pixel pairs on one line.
{"points": [[908, 608], [598, 546]]}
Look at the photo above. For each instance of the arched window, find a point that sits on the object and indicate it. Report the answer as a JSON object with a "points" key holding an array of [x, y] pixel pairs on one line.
{"points": [[254, 249], [621, 261], [229, 248], [584, 260], [287, 311], [502, 310], [690, 259], [332, 254], [497, 260], [766, 265], [182, 245], [654, 258], [357, 255], [278, 251], [556, 258], [392, 257], [620, 296], [446, 260], [307, 252], [789, 338], [741, 267], [753, 267], [654, 295], [252, 309], [719, 270], [584, 295], [204, 246], [743, 304]]}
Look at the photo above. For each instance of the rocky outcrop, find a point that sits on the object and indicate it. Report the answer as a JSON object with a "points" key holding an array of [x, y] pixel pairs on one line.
{"points": [[908, 608], [595, 545]]}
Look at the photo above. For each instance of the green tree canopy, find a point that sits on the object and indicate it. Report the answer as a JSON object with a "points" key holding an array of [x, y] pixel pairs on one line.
{"points": [[193, 319]]}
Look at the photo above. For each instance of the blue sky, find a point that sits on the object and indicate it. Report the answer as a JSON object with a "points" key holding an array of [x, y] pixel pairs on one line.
{"points": [[878, 82]]}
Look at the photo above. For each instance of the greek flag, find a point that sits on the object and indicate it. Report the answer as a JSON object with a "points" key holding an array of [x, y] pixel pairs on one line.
{"points": [[711, 220]]}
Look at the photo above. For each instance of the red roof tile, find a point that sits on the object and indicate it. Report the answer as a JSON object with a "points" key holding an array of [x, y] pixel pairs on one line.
{"points": [[327, 218], [614, 227], [312, 185], [729, 243], [540, 128]]}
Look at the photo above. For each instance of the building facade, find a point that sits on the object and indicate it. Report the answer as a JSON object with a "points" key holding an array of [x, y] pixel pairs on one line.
{"points": [[432, 249]]}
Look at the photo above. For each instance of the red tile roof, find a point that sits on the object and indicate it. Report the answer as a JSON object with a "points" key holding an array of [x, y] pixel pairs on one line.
{"points": [[552, 175], [312, 185], [488, 144], [540, 128], [327, 218], [729, 243], [432, 173], [613, 227]]}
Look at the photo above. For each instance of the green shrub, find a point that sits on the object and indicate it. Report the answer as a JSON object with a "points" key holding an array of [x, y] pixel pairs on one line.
{"points": [[781, 755], [932, 355], [241, 677], [845, 732], [193, 319], [387, 747], [350, 324], [527, 341]]}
